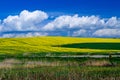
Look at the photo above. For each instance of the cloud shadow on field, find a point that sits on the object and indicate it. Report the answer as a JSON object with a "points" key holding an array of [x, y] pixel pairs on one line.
{"points": [[106, 46]]}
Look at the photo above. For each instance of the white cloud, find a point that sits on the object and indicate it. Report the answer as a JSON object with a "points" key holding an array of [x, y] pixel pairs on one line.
{"points": [[85, 26], [24, 21], [75, 21], [58, 23], [107, 33], [113, 22], [81, 33]]}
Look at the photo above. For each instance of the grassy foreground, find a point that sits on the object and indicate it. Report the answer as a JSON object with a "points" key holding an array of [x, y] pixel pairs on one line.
{"points": [[48, 46], [62, 73], [60, 69]]}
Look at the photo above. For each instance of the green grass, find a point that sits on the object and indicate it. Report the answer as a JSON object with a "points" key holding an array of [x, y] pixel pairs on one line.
{"points": [[43, 46], [69, 69], [62, 73]]}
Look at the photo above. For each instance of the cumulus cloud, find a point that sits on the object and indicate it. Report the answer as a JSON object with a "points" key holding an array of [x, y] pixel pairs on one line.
{"points": [[64, 25], [85, 26], [75, 21], [107, 33], [113, 22], [24, 21]]}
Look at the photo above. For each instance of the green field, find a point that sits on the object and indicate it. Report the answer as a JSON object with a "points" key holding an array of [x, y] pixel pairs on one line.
{"points": [[48, 46]]}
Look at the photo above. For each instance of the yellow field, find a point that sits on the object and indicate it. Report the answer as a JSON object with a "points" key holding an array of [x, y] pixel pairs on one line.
{"points": [[52, 45]]}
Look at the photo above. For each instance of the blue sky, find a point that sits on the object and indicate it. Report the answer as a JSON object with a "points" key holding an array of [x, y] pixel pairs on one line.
{"points": [[94, 10], [105, 8]]}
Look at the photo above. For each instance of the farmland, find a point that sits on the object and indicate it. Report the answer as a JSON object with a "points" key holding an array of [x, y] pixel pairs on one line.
{"points": [[30, 58], [43, 46]]}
